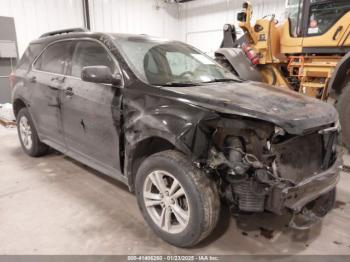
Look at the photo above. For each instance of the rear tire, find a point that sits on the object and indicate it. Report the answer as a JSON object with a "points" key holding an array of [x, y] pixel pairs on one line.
{"points": [[199, 204], [28, 135], [343, 107]]}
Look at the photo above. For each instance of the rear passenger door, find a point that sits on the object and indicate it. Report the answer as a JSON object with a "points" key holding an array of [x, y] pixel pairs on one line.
{"points": [[91, 112], [46, 80]]}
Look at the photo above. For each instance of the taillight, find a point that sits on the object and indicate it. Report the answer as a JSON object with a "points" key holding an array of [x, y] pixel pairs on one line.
{"points": [[12, 78]]}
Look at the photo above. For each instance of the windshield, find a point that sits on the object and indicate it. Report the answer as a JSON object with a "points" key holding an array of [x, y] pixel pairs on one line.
{"points": [[170, 63]]}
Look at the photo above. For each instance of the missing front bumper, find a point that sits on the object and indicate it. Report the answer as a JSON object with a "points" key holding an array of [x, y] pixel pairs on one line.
{"points": [[296, 197], [313, 212]]}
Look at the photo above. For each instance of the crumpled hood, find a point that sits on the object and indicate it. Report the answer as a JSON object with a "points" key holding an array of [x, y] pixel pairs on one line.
{"points": [[292, 111]]}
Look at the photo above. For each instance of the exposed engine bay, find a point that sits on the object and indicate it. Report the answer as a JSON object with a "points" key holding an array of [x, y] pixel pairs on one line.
{"points": [[267, 169]]}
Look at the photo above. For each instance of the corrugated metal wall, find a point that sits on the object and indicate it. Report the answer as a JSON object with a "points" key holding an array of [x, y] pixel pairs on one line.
{"points": [[35, 17], [152, 17], [199, 22], [202, 21]]}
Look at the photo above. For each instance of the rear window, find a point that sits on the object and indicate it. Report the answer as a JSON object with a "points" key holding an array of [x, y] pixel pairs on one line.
{"points": [[29, 55], [55, 58]]}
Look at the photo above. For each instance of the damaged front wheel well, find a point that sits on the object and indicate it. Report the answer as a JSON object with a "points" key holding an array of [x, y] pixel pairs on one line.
{"points": [[144, 149]]}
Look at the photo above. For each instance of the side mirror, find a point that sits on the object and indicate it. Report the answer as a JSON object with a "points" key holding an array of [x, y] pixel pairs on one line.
{"points": [[100, 75]]}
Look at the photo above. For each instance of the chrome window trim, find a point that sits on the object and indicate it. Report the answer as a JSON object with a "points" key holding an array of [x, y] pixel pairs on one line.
{"points": [[32, 66]]}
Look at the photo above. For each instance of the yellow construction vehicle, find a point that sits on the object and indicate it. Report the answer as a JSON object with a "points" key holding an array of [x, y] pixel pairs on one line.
{"points": [[309, 52]]}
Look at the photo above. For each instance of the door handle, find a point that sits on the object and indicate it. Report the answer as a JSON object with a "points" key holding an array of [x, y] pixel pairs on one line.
{"points": [[69, 91], [58, 79], [32, 79], [53, 87], [337, 32]]}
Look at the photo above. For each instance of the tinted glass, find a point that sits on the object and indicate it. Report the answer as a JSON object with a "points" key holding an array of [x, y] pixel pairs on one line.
{"points": [[294, 13], [179, 63], [323, 15], [55, 58], [164, 62], [31, 52], [90, 53]]}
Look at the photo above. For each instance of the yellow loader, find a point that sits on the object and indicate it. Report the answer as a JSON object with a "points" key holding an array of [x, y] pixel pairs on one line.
{"points": [[309, 52]]}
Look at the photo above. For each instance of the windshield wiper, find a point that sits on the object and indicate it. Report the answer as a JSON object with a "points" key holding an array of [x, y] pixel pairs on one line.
{"points": [[178, 84], [218, 80]]}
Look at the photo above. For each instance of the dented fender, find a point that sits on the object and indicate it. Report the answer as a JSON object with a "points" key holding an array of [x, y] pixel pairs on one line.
{"points": [[188, 128]]}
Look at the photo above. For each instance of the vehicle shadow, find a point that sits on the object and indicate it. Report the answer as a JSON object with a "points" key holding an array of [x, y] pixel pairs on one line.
{"points": [[262, 232], [271, 226], [266, 230]]}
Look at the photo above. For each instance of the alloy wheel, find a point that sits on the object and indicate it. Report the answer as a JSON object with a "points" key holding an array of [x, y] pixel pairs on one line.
{"points": [[166, 201], [25, 132]]}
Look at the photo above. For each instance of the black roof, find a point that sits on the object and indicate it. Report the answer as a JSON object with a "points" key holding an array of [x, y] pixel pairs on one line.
{"points": [[64, 31], [80, 33]]}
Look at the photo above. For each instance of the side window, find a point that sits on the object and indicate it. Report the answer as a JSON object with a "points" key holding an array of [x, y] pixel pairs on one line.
{"points": [[90, 53], [29, 55], [323, 15], [294, 13], [150, 64], [55, 58]]}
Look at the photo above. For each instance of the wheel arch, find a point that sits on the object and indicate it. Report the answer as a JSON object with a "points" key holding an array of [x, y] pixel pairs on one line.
{"points": [[18, 104], [140, 151]]}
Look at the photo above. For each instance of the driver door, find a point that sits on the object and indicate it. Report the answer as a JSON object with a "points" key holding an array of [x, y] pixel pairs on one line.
{"points": [[90, 111]]}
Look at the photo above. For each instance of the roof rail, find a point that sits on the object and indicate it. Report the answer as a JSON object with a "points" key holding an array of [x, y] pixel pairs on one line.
{"points": [[64, 31]]}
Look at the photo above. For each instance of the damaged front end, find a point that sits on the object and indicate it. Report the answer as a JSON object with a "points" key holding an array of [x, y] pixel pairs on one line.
{"points": [[260, 167]]}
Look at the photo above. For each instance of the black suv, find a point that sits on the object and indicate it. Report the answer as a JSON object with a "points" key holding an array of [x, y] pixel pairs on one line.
{"points": [[180, 130]]}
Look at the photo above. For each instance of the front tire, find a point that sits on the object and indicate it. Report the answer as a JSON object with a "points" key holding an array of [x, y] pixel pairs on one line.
{"points": [[343, 107], [178, 201], [28, 135]]}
